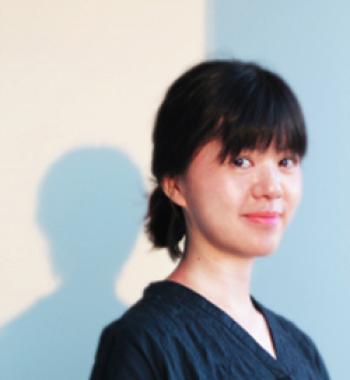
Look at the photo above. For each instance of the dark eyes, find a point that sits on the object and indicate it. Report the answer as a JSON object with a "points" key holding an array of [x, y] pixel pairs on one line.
{"points": [[245, 163]]}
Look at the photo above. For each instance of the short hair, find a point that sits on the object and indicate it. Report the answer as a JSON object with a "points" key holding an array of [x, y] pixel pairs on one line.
{"points": [[241, 104]]}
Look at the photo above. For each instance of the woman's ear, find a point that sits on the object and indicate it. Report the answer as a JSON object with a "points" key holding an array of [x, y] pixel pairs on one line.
{"points": [[173, 190]]}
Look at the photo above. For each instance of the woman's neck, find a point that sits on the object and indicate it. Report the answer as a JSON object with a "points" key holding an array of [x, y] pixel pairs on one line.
{"points": [[222, 278]]}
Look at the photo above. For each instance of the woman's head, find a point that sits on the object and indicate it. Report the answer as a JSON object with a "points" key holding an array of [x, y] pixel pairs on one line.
{"points": [[241, 106]]}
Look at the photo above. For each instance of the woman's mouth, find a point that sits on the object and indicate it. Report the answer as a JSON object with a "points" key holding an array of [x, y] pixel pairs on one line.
{"points": [[268, 218]]}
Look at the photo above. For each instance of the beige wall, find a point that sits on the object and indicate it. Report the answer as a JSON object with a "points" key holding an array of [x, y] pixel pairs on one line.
{"points": [[73, 74]]}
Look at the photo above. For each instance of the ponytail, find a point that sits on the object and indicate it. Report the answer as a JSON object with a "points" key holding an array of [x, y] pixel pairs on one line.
{"points": [[165, 223]]}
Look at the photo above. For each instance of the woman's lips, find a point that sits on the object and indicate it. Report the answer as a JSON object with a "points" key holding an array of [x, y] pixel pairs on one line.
{"points": [[266, 218]]}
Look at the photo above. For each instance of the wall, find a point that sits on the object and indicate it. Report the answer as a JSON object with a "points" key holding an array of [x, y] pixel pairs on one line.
{"points": [[306, 42], [80, 83]]}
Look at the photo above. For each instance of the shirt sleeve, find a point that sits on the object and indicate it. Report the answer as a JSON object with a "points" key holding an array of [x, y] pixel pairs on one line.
{"points": [[124, 354]]}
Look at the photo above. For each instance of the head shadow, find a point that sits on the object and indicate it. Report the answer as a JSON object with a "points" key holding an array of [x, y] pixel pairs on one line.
{"points": [[90, 208], [91, 205]]}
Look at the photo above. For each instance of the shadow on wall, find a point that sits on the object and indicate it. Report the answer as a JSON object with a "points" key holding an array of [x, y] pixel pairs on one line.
{"points": [[90, 207]]}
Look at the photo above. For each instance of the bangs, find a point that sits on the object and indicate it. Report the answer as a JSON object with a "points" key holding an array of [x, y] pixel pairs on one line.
{"points": [[257, 117]]}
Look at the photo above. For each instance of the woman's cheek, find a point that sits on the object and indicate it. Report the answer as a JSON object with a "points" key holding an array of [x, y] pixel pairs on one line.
{"points": [[294, 193]]}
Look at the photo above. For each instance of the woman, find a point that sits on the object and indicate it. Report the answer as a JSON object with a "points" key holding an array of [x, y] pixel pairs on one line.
{"points": [[228, 143]]}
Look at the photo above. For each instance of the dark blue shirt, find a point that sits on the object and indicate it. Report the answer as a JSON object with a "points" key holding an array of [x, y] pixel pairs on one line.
{"points": [[173, 333]]}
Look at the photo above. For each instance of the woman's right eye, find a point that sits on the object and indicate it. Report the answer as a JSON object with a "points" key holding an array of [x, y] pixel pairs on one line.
{"points": [[242, 162]]}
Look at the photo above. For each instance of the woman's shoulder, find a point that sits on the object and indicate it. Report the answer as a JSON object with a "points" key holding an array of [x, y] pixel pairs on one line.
{"points": [[131, 346], [152, 315]]}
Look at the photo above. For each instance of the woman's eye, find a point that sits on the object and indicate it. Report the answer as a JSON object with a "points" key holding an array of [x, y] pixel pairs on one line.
{"points": [[288, 162], [242, 162]]}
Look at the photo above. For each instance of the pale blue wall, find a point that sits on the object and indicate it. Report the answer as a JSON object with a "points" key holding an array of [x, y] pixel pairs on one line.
{"points": [[307, 43]]}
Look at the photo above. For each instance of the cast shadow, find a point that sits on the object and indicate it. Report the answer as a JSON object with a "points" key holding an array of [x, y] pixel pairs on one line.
{"points": [[90, 208]]}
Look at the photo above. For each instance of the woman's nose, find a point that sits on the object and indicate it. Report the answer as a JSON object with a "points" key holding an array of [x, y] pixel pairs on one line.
{"points": [[267, 183]]}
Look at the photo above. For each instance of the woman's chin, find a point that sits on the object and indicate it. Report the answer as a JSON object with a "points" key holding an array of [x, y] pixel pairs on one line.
{"points": [[264, 249]]}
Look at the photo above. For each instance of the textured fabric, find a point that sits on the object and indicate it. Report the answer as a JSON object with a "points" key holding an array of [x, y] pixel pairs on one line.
{"points": [[173, 333]]}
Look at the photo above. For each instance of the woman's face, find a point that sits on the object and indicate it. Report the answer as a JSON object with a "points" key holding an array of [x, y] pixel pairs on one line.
{"points": [[240, 206]]}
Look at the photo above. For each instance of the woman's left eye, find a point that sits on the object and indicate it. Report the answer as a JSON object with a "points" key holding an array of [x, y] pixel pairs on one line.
{"points": [[288, 162]]}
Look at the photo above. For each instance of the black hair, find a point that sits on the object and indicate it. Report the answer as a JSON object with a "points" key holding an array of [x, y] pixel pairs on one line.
{"points": [[242, 104]]}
